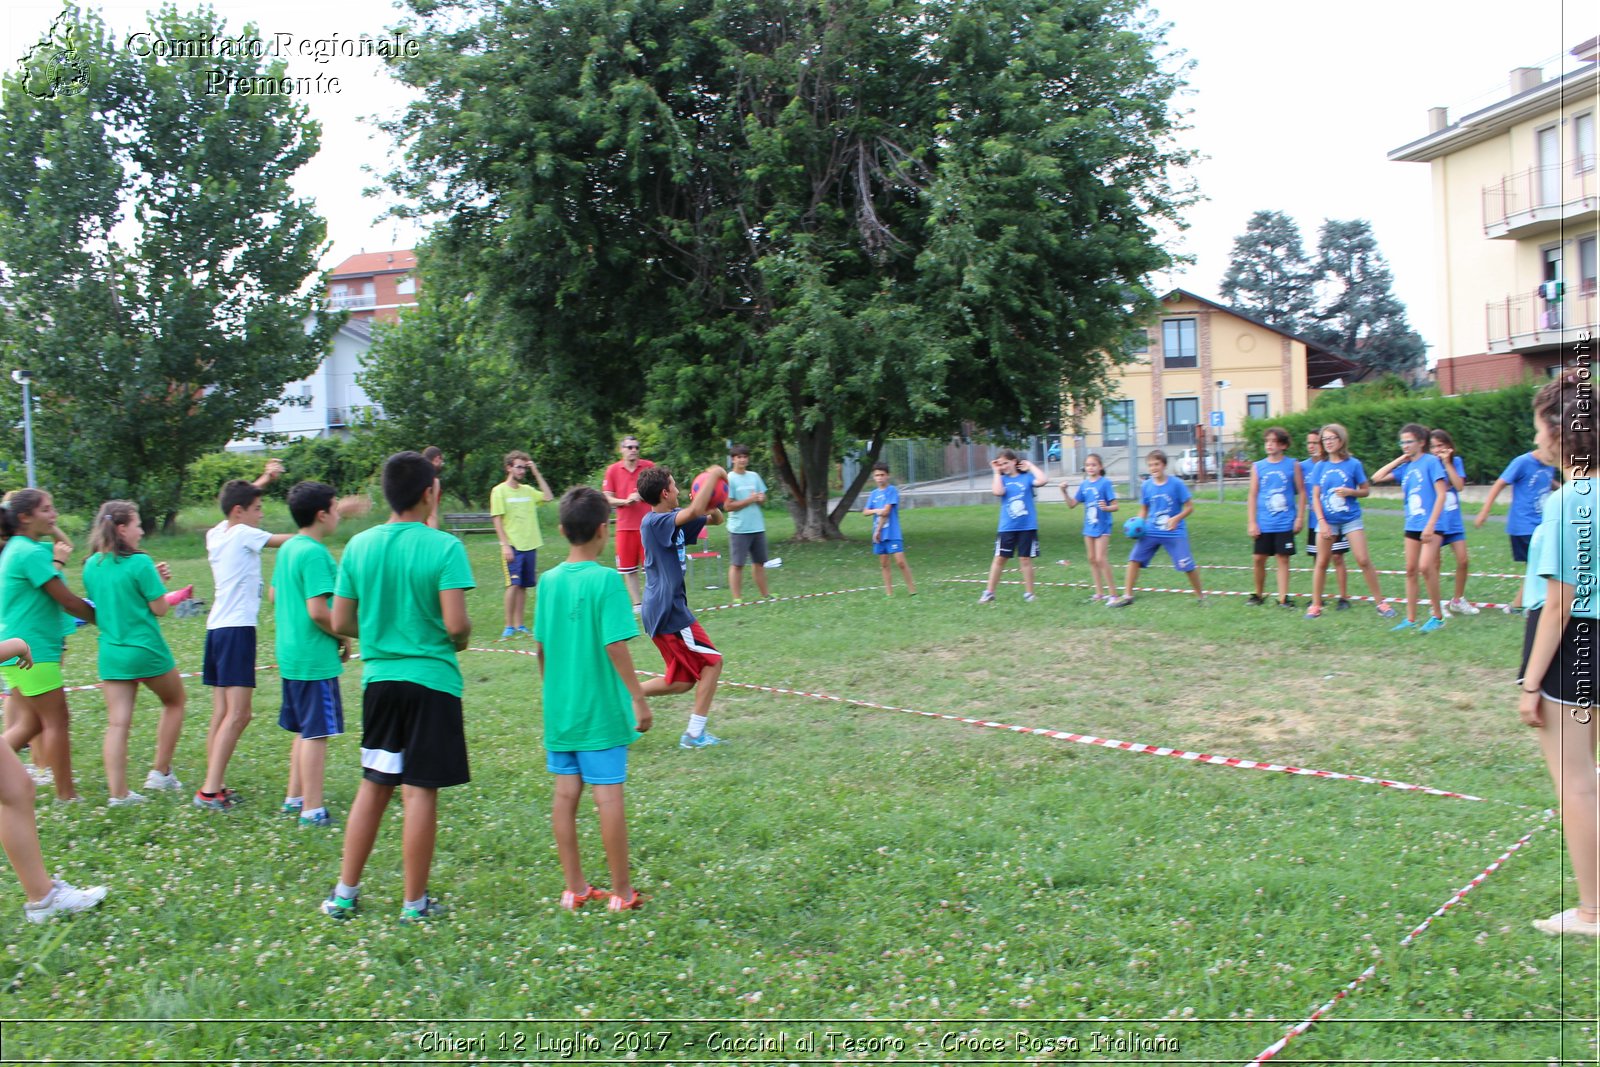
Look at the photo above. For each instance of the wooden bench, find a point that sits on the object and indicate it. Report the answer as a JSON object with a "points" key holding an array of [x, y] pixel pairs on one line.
{"points": [[466, 522]]}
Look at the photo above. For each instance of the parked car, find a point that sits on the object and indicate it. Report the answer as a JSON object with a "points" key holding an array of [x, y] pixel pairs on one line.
{"points": [[1189, 463], [1236, 465]]}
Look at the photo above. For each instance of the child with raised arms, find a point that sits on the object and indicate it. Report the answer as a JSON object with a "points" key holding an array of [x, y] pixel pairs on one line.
{"points": [[1341, 483], [692, 661], [1276, 510], [130, 599], [1422, 484], [594, 706], [1014, 483], [1098, 495], [1452, 525], [32, 598], [1341, 547], [883, 504], [1530, 480], [1165, 505]]}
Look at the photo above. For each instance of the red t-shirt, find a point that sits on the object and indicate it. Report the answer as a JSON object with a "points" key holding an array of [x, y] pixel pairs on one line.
{"points": [[620, 482]]}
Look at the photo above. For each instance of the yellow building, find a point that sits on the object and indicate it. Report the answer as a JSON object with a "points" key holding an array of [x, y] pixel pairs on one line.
{"points": [[1201, 357], [1515, 209]]}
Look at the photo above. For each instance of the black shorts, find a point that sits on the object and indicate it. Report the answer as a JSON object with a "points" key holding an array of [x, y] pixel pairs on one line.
{"points": [[1570, 677], [1019, 543], [412, 735], [1275, 544], [1519, 547], [1340, 547]]}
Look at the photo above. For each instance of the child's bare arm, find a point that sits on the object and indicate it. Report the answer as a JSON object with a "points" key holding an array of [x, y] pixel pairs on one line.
{"points": [[345, 618], [1488, 503], [457, 623], [622, 663], [17, 648], [701, 503], [74, 604]]}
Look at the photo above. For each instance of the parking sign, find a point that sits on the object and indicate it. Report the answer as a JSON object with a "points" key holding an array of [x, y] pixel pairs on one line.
{"points": [[1216, 419]]}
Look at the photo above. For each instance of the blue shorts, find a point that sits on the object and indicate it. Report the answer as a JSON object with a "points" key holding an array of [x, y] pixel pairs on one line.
{"points": [[888, 548], [1017, 543], [1337, 530], [230, 658], [1452, 538], [609, 766], [312, 709], [523, 571], [1519, 547], [1144, 550]]}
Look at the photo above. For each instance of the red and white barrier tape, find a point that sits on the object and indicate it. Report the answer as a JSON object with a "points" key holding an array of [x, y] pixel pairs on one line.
{"points": [[1301, 1027], [1309, 570], [1397, 600], [781, 599]]}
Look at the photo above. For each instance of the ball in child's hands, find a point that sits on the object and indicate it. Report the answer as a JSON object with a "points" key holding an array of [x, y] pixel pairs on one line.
{"points": [[1133, 528], [719, 495]]}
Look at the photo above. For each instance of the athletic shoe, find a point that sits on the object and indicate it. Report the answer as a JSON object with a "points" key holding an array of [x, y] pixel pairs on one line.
{"points": [[431, 909], [292, 807], [1386, 611], [618, 904], [341, 908], [162, 782], [1510, 609], [573, 901], [1119, 602], [1255, 600], [1286, 602], [986, 597], [63, 801], [1343, 605], [1314, 611], [508, 633], [738, 601], [1028, 598], [1434, 623], [1403, 624], [321, 818], [523, 631], [131, 798], [220, 802], [1566, 922], [1460, 606], [705, 740], [63, 899]]}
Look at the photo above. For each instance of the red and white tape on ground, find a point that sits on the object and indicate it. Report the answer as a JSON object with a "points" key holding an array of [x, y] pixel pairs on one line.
{"points": [[1309, 570], [781, 599], [1305, 1024], [1209, 592]]}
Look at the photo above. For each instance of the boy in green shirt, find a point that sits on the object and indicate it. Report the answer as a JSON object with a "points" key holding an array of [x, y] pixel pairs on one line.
{"points": [[513, 508], [402, 590], [594, 707], [310, 655]]}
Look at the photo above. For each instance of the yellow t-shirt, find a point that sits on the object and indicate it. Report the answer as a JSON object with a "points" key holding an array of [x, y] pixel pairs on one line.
{"points": [[518, 507]]}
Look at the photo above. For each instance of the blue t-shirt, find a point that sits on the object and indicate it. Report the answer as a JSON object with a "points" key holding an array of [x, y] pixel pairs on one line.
{"points": [[1419, 488], [889, 497], [1091, 494], [1164, 502], [1308, 474], [1566, 539], [1276, 500], [747, 520], [1346, 474], [666, 606], [1016, 507], [1450, 521], [1530, 487]]}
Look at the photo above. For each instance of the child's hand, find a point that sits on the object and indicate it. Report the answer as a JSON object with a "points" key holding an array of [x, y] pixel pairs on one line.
{"points": [[165, 570], [354, 504], [19, 648], [1255, 528], [508, 553], [1479, 521], [62, 551], [273, 470], [642, 717], [715, 517], [1528, 708], [995, 463], [344, 649]]}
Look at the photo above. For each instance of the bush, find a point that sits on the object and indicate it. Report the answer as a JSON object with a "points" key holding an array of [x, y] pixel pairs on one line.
{"points": [[350, 464], [204, 477]]}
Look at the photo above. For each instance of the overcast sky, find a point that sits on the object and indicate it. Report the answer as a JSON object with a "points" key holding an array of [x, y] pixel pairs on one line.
{"points": [[1295, 107]]}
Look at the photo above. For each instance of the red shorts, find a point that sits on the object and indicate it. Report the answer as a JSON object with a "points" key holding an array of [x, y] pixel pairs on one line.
{"points": [[687, 653], [630, 551]]}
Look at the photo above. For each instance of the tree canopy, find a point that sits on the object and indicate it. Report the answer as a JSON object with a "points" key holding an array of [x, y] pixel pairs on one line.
{"points": [[815, 222], [154, 262], [1269, 275]]}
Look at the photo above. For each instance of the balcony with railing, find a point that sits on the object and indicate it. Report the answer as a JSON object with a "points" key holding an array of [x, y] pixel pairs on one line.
{"points": [[1540, 199], [1525, 323], [352, 300]]}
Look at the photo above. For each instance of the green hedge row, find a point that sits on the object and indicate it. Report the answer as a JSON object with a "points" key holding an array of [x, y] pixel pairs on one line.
{"points": [[1490, 429]]}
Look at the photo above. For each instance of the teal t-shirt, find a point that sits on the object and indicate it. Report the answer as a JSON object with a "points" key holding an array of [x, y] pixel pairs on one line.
{"points": [[26, 610], [304, 569], [746, 520], [122, 587], [395, 573], [582, 608], [1567, 544]]}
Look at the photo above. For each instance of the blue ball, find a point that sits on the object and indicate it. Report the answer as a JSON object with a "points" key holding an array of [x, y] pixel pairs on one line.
{"points": [[1133, 528]]}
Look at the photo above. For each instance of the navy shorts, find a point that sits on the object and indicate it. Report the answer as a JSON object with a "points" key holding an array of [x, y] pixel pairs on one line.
{"points": [[523, 570], [312, 709], [1339, 547], [230, 658], [1019, 543], [1519, 547], [412, 735], [609, 766], [1452, 538]]}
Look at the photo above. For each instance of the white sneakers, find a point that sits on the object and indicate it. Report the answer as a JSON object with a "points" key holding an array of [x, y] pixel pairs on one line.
{"points": [[1567, 922], [1458, 606], [64, 899], [159, 782]]}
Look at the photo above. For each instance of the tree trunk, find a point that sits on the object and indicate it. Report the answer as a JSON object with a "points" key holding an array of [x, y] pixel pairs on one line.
{"points": [[847, 501], [808, 485]]}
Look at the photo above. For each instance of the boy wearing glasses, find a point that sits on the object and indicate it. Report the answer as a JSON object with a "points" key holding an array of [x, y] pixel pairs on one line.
{"points": [[621, 487]]}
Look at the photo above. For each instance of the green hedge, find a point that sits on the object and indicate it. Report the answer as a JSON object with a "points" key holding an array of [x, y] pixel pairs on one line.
{"points": [[1490, 429]]}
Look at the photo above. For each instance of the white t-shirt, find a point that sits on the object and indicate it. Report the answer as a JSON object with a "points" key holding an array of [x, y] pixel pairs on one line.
{"points": [[235, 555]]}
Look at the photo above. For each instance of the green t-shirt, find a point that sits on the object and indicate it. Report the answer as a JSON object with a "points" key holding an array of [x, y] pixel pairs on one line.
{"points": [[304, 569], [395, 573], [26, 610], [131, 645], [520, 509], [582, 608]]}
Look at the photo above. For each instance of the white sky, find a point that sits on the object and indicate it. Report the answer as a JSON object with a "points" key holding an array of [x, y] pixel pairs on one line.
{"points": [[1295, 107]]}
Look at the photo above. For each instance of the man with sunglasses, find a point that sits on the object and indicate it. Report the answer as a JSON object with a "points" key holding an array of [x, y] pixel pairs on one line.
{"points": [[621, 489]]}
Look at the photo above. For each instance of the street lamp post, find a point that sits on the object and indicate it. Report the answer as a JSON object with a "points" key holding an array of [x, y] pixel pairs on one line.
{"points": [[24, 378]]}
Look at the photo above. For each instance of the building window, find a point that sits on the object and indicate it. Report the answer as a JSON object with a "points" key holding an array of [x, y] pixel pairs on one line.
{"points": [[1586, 265], [1183, 413], [1178, 346], [1117, 423], [406, 286], [1547, 152], [1583, 142], [1255, 406]]}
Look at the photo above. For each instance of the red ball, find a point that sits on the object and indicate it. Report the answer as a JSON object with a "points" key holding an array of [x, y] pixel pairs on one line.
{"points": [[719, 495]]}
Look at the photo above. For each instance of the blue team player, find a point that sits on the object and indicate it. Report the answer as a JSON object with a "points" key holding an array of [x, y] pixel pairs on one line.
{"points": [[883, 504], [1277, 510], [1098, 496], [1014, 482], [1165, 504], [1529, 479], [1422, 486]]}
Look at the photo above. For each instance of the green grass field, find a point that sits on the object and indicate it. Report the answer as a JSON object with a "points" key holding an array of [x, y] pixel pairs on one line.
{"points": [[840, 882]]}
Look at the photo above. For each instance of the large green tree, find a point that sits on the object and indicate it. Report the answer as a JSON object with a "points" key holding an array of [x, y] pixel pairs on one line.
{"points": [[1359, 313], [1269, 275], [813, 221], [157, 266]]}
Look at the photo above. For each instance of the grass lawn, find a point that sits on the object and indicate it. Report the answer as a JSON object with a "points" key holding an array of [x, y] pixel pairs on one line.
{"points": [[842, 882]]}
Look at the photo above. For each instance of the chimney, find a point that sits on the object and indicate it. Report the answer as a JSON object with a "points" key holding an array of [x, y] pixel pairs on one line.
{"points": [[1588, 51], [1438, 118], [1525, 78]]}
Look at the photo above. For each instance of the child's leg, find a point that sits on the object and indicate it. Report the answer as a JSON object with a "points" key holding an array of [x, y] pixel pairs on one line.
{"points": [[564, 826], [1358, 548], [311, 760], [1133, 575], [706, 687], [114, 750], [657, 687], [1102, 548], [230, 715], [55, 742], [1342, 573], [1283, 578], [1259, 563], [1026, 563], [361, 829], [19, 834], [614, 835], [1319, 571], [1413, 562], [516, 609], [168, 689], [888, 583], [905, 572], [995, 568], [1428, 561], [1194, 583], [760, 571], [22, 725], [420, 832], [295, 789], [1460, 548], [736, 581], [1569, 749]]}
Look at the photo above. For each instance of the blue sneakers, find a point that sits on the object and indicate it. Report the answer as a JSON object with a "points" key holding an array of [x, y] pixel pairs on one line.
{"points": [[1404, 624], [431, 909], [508, 633], [321, 818], [1433, 623], [705, 740], [340, 908]]}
